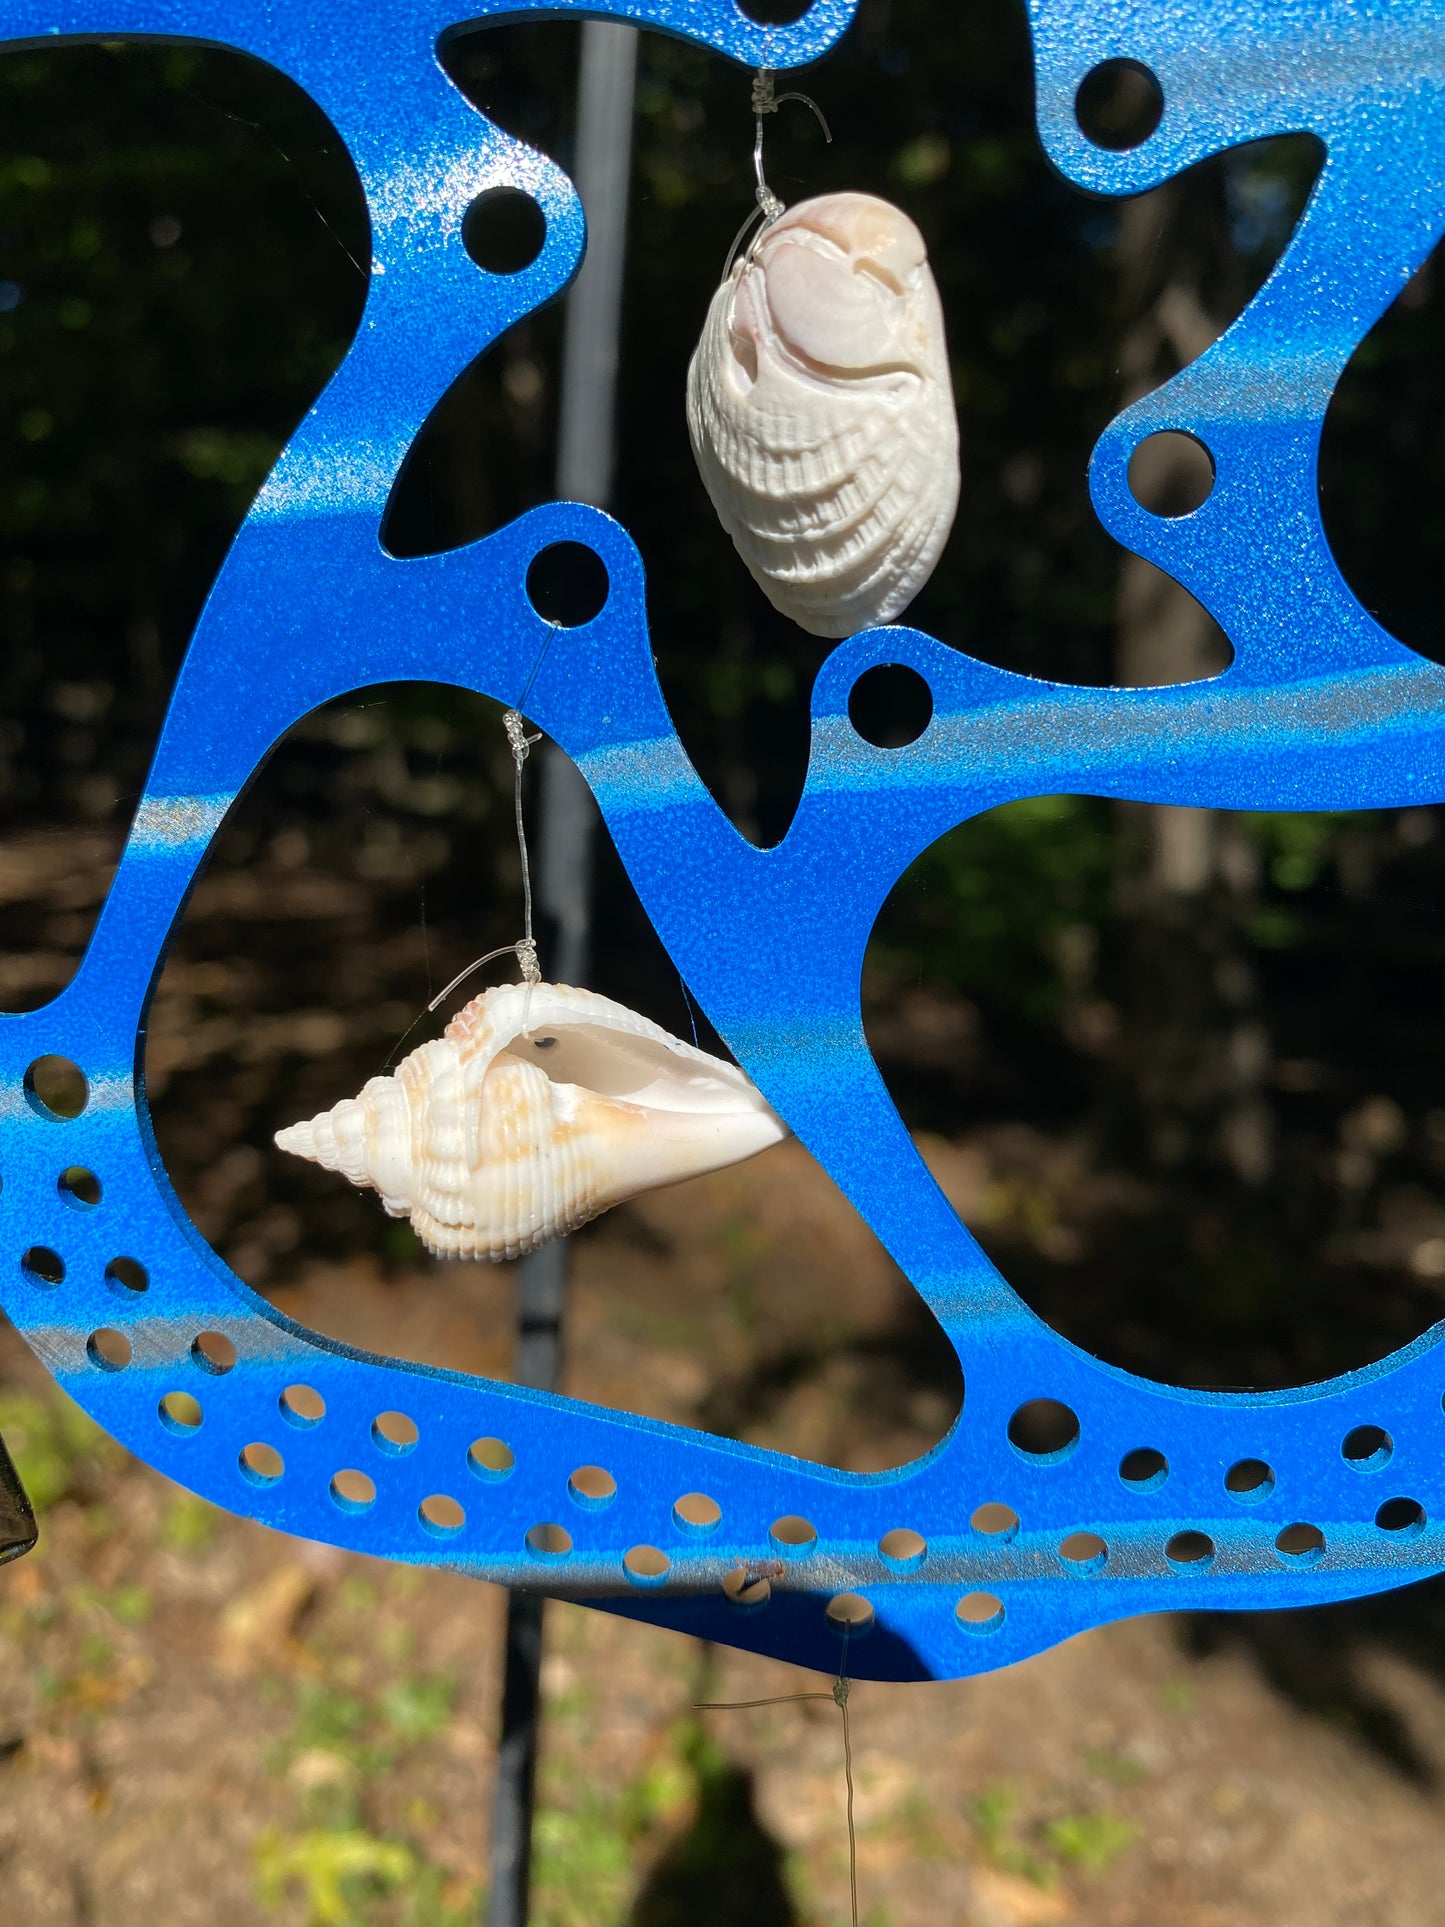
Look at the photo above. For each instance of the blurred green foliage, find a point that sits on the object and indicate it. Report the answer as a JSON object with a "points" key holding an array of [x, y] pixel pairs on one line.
{"points": [[341, 1746], [333, 1871], [994, 1815], [1093, 1841], [56, 1448], [1007, 906], [188, 1524]]}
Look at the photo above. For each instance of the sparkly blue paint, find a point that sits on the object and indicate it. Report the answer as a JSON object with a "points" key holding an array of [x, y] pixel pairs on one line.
{"points": [[1320, 709]]}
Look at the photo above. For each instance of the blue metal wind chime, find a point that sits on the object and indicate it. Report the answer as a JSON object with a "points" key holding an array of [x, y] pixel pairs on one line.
{"points": [[1187, 1497]]}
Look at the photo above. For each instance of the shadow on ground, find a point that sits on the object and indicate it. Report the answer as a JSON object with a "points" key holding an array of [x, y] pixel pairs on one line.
{"points": [[725, 1866]]}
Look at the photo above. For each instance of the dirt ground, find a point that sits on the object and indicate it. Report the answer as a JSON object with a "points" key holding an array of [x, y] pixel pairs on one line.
{"points": [[204, 1722]]}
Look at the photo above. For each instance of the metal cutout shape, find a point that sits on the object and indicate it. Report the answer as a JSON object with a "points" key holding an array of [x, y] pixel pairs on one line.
{"points": [[1320, 709]]}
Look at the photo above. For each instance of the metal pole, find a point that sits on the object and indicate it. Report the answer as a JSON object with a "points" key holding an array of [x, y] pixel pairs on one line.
{"points": [[585, 458], [18, 1530]]}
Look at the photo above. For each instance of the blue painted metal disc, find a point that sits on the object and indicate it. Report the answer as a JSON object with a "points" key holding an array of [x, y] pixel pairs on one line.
{"points": [[1320, 709]]}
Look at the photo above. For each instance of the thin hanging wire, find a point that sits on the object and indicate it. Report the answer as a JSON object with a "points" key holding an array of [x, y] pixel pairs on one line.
{"points": [[525, 948], [521, 745], [769, 207], [839, 1697]]}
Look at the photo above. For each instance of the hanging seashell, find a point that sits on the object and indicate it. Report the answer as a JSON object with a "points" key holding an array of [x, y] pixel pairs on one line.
{"points": [[820, 407], [540, 1107]]}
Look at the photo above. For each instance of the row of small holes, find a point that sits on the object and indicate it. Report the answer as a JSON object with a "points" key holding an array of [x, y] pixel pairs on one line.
{"points": [[1044, 1429], [56, 1089], [263, 1465], [1301, 1543], [1048, 1427], [46, 1268], [594, 1487], [848, 1613]]}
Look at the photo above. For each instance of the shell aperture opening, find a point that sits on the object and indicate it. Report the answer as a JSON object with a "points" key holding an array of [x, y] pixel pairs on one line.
{"points": [[540, 1107], [820, 409]]}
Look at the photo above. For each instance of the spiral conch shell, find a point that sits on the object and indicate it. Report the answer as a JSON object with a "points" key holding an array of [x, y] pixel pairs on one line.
{"points": [[540, 1107], [820, 408]]}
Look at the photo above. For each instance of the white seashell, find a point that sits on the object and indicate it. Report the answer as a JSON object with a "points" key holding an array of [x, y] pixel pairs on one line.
{"points": [[820, 407], [540, 1107]]}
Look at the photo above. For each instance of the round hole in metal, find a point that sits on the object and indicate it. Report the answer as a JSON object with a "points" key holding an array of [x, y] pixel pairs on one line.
{"points": [[549, 1541], [567, 584], [995, 1521], [55, 1088], [903, 1546], [261, 1463], [793, 1533], [302, 1406], [1368, 1448], [646, 1565], [504, 230], [394, 1433], [696, 1512], [1403, 1516], [1171, 474], [43, 1267], [1192, 1551], [108, 1349], [890, 705], [773, 13], [214, 1353], [849, 1613], [1044, 1428], [592, 1486], [128, 1276], [490, 1459], [1085, 1551], [1144, 1468], [1300, 1544], [441, 1516], [746, 1587], [180, 1413], [1118, 104], [1249, 1481], [79, 1187], [979, 1612], [352, 1491]]}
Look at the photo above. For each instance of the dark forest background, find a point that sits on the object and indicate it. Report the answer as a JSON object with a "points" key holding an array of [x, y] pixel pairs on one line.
{"points": [[1231, 1024]]}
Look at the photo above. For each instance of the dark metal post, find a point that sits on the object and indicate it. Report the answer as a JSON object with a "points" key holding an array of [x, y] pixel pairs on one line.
{"points": [[568, 820], [18, 1531]]}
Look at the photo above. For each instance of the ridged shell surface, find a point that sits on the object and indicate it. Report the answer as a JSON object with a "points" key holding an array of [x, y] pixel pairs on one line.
{"points": [[820, 407], [538, 1108]]}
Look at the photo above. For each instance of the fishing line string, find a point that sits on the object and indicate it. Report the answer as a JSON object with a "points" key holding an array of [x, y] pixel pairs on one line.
{"points": [[839, 1697], [766, 101], [525, 948]]}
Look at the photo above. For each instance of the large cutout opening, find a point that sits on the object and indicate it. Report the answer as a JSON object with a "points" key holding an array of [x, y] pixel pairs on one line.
{"points": [[1175, 1069], [186, 256], [1382, 465], [487, 452], [373, 858]]}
